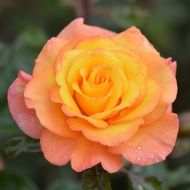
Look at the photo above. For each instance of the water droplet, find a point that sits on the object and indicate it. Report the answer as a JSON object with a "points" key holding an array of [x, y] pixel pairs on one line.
{"points": [[139, 147], [135, 150], [151, 156], [138, 158]]}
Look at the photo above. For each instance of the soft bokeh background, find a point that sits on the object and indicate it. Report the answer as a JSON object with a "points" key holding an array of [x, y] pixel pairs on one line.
{"points": [[24, 28]]}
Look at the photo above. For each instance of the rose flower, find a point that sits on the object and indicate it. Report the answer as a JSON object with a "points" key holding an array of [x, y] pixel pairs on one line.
{"points": [[98, 97]]}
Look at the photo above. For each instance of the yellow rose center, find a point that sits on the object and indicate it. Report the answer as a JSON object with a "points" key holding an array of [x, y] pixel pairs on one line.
{"points": [[96, 77]]}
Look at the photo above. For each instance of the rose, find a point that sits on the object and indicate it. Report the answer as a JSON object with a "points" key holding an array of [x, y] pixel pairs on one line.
{"points": [[98, 97]]}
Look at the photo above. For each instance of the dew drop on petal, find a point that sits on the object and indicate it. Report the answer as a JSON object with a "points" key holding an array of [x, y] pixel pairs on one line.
{"points": [[165, 153], [151, 156]]}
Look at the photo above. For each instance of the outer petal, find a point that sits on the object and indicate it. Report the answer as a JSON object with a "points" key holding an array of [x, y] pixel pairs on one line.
{"points": [[112, 135], [160, 73], [87, 154], [77, 28], [151, 144], [25, 118], [48, 55], [134, 39], [57, 150], [49, 113], [172, 65], [164, 76], [38, 90], [82, 153]]}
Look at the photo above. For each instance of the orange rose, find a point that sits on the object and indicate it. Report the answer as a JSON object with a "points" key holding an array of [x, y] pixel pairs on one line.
{"points": [[98, 97]]}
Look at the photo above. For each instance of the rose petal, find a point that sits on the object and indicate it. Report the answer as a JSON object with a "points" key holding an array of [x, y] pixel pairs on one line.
{"points": [[82, 153], [65, 61], [85, 102], [126, 100], [163, 76], [134, 39], [25, 118], [172, 65], [96, 91], [48, 55], [151, 144], [37, 91], [88, 154], [57, 150], [135, 69], [113, 135], [91, 43], [77, 28], [166, 80], [144, 107], [96, 122], [54, 94], [160, 109]]}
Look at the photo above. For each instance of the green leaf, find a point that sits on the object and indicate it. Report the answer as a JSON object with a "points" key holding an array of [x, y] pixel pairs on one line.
{"points": [[3, 53], [154, 182], [13, 181], [96, 179], [16, 145], [19, 56], [27, 47], [169, 178], [61, 184], [140, 182]]}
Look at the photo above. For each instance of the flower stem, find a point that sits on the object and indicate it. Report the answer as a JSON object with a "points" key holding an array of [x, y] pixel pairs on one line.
{"points": [[96, 178], [86, 7]]}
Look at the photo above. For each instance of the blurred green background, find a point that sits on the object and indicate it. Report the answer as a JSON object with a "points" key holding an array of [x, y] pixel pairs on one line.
{"points": [[25, 25]]}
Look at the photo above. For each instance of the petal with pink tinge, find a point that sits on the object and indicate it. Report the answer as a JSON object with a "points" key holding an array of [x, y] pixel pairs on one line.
{"points": [[77, 28], [151, 144], [25, 118], [82, 153]]}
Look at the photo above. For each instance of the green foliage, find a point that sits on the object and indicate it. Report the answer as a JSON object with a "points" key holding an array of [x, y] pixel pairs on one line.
{"points": [[27, 47], [154, 183], [13, 181], [169, 178], [64, 184], [143, 182], [16, 145], [20, 56], [96, 179]]}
